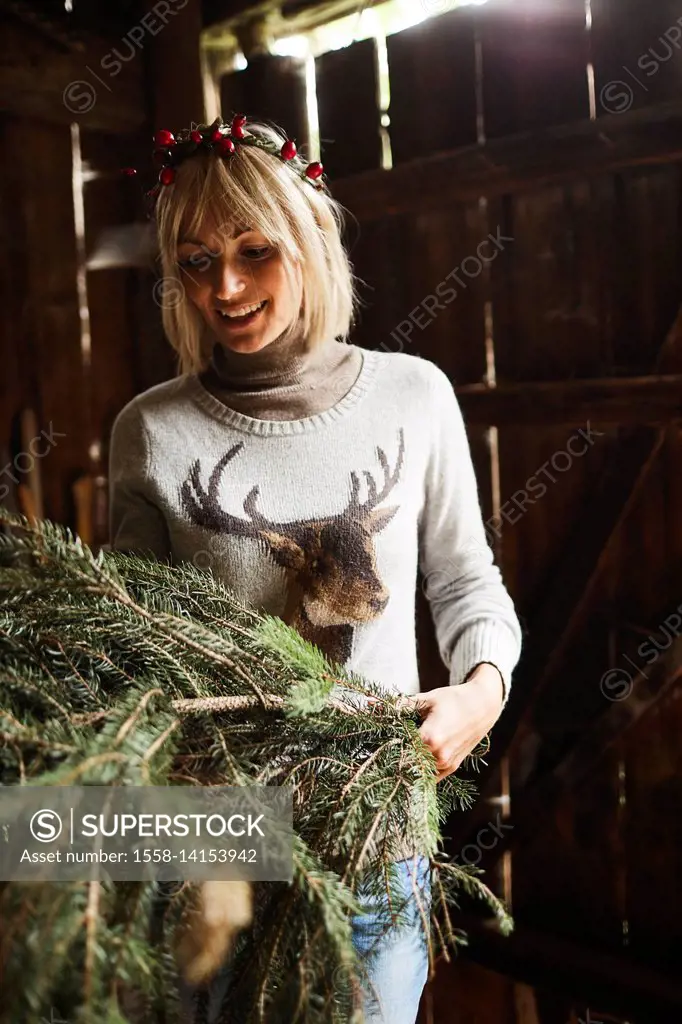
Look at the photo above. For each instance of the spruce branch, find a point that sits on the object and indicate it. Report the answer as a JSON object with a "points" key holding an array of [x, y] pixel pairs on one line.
{"points": [[117, 670]]}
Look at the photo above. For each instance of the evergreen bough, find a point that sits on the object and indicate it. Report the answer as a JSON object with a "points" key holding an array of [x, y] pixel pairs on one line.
{"points": [[122, 670]]}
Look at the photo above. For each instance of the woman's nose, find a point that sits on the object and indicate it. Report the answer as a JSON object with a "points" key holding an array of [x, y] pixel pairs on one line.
{"points": [[231, 281]]}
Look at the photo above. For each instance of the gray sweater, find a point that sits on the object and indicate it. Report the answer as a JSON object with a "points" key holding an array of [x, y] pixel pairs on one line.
{"points": [[324, 520]]}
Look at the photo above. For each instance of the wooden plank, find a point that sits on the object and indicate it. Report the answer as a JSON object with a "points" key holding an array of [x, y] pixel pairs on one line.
{"points": [[111, 201], [118, 230], [434, 59], [271, 89], [113, 349], [128, 350], [555, 155], [376, 253], [636, 53], [589, 281], [87, 84], [13, 385], [546, 476], [107, 153], [588, 285], [638, 598], [173, 56], [534, 61], [455, 995], [645, 263], [51, 322], [108, 202], [445, 290], [348, 109], [154, 359], [616, 401], [547, 312]]}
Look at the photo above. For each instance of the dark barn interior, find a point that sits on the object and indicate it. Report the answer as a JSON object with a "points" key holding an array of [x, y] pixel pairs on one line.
{"points": [[525, 155]]}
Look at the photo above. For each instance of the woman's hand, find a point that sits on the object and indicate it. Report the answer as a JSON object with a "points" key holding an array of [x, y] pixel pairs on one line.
{"points": [[458, 717]]}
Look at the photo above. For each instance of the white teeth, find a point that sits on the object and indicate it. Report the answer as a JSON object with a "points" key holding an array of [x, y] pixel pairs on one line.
{"points": [[242, 311]]}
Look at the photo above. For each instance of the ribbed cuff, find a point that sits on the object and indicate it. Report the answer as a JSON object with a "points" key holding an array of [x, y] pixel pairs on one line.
{"points": [[488, 641]]}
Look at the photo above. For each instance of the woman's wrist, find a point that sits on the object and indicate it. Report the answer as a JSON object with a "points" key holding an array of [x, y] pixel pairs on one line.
{"points": [[487, 679]]}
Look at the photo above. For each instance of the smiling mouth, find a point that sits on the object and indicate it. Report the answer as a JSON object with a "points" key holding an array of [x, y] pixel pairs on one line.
{"points": [[242, 319]]}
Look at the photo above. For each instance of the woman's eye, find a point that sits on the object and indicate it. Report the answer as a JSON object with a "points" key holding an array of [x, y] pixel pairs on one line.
{"points": [[192, 261], [257, 252]]}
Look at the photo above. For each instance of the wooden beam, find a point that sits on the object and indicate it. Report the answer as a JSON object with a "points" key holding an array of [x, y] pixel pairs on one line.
{"points": [[619, 401], [606, 981], [583, 149]]}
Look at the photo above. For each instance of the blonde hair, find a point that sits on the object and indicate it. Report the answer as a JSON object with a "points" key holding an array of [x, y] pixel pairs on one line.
{"points": [[257, 190]]}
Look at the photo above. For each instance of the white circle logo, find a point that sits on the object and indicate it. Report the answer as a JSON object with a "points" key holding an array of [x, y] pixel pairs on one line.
{"points": [[46, 826]]}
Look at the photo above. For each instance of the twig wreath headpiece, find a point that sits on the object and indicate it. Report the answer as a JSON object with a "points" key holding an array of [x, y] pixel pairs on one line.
{"points": [[224, 139]]}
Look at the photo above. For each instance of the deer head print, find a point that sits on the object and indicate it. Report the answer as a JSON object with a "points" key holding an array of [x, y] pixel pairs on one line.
{"points": [[332, 579]]}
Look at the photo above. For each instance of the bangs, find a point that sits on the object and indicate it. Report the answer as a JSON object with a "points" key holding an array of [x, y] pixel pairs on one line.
{"points": [[230, 193]]}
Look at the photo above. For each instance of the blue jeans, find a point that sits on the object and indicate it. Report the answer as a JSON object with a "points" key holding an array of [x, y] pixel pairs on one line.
{"points": [[395, 963]]}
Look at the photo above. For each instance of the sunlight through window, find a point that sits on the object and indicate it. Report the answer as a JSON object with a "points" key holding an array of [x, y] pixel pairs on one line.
{"points": [[383, 20]]}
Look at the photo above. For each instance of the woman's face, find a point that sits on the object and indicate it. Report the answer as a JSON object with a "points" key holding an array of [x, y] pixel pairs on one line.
{"points": [[237, 280]]}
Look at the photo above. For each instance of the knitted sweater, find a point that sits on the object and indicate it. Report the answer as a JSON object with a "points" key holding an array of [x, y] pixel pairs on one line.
{"points": [[325, 520]]}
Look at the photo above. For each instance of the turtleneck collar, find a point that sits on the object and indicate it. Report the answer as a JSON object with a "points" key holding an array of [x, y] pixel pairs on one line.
{"points": [[286, 380], [284, 362]]}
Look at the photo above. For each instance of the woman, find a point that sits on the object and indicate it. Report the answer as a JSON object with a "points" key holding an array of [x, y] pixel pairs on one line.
{"points": [[313, 477]]}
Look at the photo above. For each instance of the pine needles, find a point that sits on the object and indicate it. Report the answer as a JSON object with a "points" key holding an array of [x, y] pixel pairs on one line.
{"points": [[118, 670]]}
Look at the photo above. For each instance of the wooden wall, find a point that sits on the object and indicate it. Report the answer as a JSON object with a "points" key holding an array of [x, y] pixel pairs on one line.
{"points": [[580, 177], [89, 103], [47, 368]]}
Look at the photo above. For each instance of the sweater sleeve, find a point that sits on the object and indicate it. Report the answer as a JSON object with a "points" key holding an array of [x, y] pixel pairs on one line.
{"points": [[136, 522], [473, 614]]}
